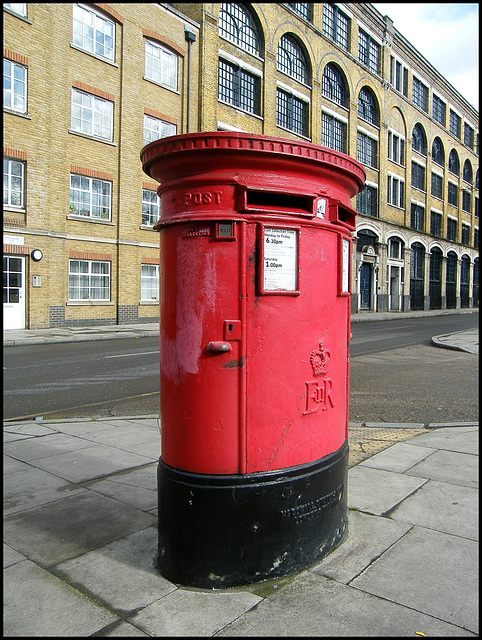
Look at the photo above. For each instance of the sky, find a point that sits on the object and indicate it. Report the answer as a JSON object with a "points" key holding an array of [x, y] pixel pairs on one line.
{"points": [[446, 35]]}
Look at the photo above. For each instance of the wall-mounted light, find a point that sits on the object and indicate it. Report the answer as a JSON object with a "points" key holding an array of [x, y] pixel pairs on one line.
{"points": [[36, 255]]}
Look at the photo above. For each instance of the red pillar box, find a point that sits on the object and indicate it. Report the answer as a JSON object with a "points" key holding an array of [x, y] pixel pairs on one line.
{"points": [[255, 247]]}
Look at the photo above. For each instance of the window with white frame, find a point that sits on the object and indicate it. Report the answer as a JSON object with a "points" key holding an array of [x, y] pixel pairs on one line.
{"points": [[420, 94], [418, 176], [395, 190], [368, 51], [291, 112], [468, 135], [333, 132], [367, 201], [93, 32], [14, 86], [399, 76], [367, 149], [161, 65], [238, 87], [452, 229], [91, 115], [437, 185], [396, 147], [20, 8], [149, 282], [89, 280], [455, 124], [151, 207], [237, 25], [336, 25], [90, 197], [439, 109], [13, 183], [417, 216], [452, 194], [154, 128]]}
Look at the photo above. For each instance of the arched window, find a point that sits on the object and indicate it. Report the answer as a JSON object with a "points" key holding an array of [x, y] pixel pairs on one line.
{"points": [[438, 153], [333, 85], [291, 60], [237, 25], [467, 175], [477, 179], [419, 140], [367, 108], [454, 164]]}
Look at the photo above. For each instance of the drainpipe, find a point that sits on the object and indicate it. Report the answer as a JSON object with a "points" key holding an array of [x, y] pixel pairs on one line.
{"points": [[190, 38]]}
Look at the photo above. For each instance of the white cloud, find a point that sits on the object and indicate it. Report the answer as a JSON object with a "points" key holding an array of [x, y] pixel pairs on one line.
{"points": [[446, 35]]}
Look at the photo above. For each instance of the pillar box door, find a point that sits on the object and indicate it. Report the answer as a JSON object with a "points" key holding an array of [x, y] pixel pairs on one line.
{"points": [[255, 246]]}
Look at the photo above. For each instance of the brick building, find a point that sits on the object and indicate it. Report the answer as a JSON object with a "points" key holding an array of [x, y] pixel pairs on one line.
{"points": [[87, 85]]}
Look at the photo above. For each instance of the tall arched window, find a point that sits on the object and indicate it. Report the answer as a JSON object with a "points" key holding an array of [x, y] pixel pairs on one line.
{"points": [[454, 164], [419, 140], [468, 175], [438, 153], [291, 60], [333, 85], [367, 108], [237, 25]]}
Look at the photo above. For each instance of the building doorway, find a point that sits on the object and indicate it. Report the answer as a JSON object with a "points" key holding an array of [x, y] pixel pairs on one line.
{"points": [[13, 292], [365, 286]]}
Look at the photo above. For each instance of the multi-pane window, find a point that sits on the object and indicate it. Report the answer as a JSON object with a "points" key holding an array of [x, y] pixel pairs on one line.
{"points": [[418, 176], [396, 144], [465, 234], [20, 8], [476, 263], [417, 216], [151, 207], [160, 65], [438, 154], [435, 223], [467, 172], [239, 88], [420, 94], [466, 198], [237, 25], [303, 9], [333, 85], [89, 280], [395, 191], [13, 183], [455, 125], [336, 25], [398, 76], [291, 60], [452, 194], [154, 128], [93, 32], [468, 135], [451, 229], [149, 282], [333, 133], [395, 248], [291, 112], [454, 164], [437, 185], [90, 197], [367, 150], [368, 52], [367, 109], [419, 141], [367, 201], [439, 109], [14, 86], [91, 115], [417, 261]]}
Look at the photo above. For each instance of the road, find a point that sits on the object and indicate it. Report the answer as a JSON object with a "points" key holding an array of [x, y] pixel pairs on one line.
{"points": [[396, 375]]}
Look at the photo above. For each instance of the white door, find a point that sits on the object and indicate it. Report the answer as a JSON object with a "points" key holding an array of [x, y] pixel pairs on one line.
{"points": [[13, 292]]}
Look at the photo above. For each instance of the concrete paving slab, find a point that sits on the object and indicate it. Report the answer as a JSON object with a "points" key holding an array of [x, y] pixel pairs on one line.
{"points": [[28, 429], [10, 556], [10, 465], [89, 463], [368, 537], [138, 497], [449, 466], [443, 507], [122, 437], [121, 574], [123, 630], [150, 449], [33, 487], [65, 529], [398, 458], [405, 574], [43, 446], [36, 603], [377, 491], [317, 606], [193, 613], [462, 439]]}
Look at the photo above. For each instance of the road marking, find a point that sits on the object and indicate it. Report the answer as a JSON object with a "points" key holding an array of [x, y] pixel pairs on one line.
{"points": [[127, 355]]}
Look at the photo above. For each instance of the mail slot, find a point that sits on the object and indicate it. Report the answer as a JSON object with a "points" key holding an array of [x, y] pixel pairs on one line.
{"points": [[255, 260]]}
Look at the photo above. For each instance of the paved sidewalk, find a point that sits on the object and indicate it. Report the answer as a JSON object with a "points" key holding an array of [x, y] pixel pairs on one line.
{"points": [[80, 537]]}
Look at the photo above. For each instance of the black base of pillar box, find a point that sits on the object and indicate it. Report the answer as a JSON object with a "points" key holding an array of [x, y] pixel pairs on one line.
{"points": [[220, 531]]}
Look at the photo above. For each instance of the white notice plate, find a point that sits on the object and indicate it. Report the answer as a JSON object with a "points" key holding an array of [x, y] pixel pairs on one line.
{"points": [[280, 259]]}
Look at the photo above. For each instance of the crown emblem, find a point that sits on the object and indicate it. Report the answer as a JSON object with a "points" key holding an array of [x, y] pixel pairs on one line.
{"points": [[320, 359]]}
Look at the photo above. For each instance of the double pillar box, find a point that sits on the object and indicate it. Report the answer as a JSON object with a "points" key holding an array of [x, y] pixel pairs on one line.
{"points": [[255, 264]]}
